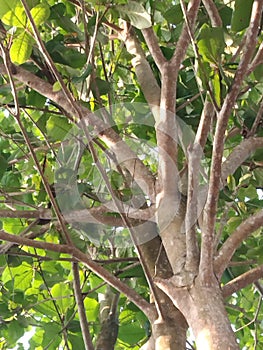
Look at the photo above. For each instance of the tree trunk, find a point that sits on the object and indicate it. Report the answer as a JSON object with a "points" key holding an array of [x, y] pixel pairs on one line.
{"points": [[170, 334], [204, 310]]}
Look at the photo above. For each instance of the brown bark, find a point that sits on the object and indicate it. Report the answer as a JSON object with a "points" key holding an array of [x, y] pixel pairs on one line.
{"points": [[169, 330], [205, 312]]}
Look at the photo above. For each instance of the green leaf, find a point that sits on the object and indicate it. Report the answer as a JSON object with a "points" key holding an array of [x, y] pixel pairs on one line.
{"points": [[92, 309], [241, 15], [233, 223], [216, 83], [10, 181], [6, 6], [40, 13], [62, 293], [100, 87], [21, 275], [15, 331], [57, 127], [3, 165], [52, 336], [16, 17], [130, 329], [76, 341], [136, 13], [174, 14], [249, 192], [211, 43], [65, 55], [84, 76], [21, 48]]}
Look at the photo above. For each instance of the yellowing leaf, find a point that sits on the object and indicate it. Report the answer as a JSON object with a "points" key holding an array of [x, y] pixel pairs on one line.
{"points": [[7, 5], [15, 17], [21, 48], [40, 13]]}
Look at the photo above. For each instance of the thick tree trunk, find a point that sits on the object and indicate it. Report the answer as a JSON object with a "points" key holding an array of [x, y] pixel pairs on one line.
{"points": [[208, 320], [170, 334], [205, 313]]}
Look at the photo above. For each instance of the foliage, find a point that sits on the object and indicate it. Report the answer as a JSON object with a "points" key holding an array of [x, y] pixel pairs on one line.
{"points": [[88, 54]]}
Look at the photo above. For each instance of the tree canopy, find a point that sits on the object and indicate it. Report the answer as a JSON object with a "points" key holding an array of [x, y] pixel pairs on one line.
{"points": [[131, 171]]}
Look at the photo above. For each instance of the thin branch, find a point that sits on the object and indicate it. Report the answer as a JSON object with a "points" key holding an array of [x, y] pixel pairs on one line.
{"points": [[16, 114], [239, 154], [143, 71], [84, 325], [257, 121], [258, 59], [185, 38], [213, 13], [92, 215], [246, 228], [206, 262], [59, 248], [192, 249], [147, 308], [205, 123], [154, 47], [141, 303], [123, 153], [242, 281]]}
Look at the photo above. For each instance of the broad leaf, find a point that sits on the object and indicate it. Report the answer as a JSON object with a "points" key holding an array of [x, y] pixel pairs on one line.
{"points": [[21, 48], [6, 6], [241, 15], [136, 13], [40, 13], [211, 43], [174, 14], [15, 17]]}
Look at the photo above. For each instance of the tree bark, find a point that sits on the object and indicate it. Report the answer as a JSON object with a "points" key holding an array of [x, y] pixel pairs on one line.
{"points": [[205, 313]]}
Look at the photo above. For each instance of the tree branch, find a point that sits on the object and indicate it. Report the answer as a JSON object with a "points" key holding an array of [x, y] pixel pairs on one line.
{"points": [[92, 215], [258, 59], [242, 281], [142, 304], [123, 153], [239, 154], [84, 325], [228, 249], [206, 262], [192, 248], [154, 47], [213, 13], [143, 71], [205, 122]]}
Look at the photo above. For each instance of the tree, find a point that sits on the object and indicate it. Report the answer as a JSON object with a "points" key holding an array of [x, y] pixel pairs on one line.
{"points": [[131, 174]]}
